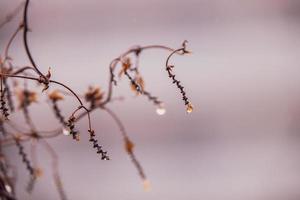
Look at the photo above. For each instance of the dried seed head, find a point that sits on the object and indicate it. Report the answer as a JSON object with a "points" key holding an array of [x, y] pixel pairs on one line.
{"points": [[126, 64], [3, 106], [32, 97], [71, 125], [26, 97], [94, 95], [48, 75], [55, 96], [38, 172], [189, 108], [138, 80], [184, 50], [146, 185], [129, 145], [97, 146]]}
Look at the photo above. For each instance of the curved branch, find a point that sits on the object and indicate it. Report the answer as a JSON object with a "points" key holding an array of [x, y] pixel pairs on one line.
{"points": [[115, 62], [10, 42], [25, 31], [23, 69], [129, 146]]}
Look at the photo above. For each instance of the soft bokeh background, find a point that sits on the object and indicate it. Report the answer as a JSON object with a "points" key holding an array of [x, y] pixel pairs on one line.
{"points": [[241, 142]]}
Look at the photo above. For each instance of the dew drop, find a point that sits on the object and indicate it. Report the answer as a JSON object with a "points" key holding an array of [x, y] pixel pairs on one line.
{"points": [[66, 132], [160, 110], [106, 158], [8, 188]]}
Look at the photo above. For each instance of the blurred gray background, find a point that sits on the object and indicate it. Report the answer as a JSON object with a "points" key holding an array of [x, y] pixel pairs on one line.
{"points": [[241, 142]]}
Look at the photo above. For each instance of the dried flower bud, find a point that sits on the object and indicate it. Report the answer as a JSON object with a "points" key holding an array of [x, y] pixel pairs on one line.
{"points": [[48, 75], [138, 80], [189, 108], [55, 96], [3, 107], [126, 64], [38, 172], [97, 146], [146, 185], [71, 125], [129, 145], [94, 95], [26, 97]]}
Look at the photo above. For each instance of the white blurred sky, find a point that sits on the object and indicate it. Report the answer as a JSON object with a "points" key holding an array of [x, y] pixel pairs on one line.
{"points": [[242, 141]]}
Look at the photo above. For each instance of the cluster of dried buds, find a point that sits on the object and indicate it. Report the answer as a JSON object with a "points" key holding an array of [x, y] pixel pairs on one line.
{"points": [[94, 96], [71, 126], [97, 146]]}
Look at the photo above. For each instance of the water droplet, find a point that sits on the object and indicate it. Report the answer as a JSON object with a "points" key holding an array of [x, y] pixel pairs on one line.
{"points": [[8, 188], [106, 158], [160, 110], [146, 185], [189, 108], [66, 132]]}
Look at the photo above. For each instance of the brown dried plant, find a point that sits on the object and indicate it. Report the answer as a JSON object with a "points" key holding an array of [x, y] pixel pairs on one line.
{"points": [[98, 99]]}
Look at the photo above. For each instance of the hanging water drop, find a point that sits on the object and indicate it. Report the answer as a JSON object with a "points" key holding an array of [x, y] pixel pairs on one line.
{"points": [[160, 110], [66, 132], [8, 188]]}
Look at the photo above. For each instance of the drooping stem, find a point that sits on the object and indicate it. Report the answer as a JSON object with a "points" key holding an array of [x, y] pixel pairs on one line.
{"points": [[169, 69], [129, 146], [25, 31], [55, 170], [6, 56], [115, 62], [11, 15]]}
